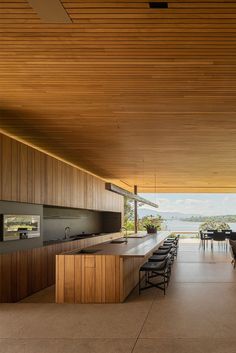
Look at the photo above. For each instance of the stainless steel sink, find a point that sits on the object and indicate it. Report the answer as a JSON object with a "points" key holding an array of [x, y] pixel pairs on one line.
{"points": [[137, 236], [118, 241], [88, 251]]}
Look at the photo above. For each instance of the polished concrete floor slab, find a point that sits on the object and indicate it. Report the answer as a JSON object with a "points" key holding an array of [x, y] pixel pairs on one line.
{"points": [[207, 345], [66, 345], [73, 321], [197, 315], [193, 311]]}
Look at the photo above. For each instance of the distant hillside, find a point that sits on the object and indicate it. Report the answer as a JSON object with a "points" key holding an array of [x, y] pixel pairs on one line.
{"points": [[143, 212], [225, 218]]}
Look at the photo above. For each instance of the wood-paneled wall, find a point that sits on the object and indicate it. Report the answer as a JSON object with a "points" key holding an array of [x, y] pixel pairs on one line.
{"points": [[23, 273], [28, 175]]}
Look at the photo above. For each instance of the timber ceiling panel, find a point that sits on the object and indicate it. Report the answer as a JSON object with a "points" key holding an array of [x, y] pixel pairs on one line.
{"points": [[132, 94]]}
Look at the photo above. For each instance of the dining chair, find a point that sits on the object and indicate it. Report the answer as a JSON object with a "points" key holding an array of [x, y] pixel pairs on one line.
{"points": [[204, 239], [220, 237]]}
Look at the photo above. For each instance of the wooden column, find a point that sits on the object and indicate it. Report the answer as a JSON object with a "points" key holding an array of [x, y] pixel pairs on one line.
{"points": [[135, 211]]}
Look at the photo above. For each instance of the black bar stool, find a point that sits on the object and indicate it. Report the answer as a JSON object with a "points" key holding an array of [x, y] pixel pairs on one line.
{"points": [[153, 270], [170, 250], [170, 241], [161, 252], [174, 243], [157, 258], [165, 247], [173, 239]]}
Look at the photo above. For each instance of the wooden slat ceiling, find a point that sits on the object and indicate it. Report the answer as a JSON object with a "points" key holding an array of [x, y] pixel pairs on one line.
{"points": [[135, 95]]}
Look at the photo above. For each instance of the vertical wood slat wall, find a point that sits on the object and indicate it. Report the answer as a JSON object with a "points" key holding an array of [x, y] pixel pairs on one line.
{"points": [[28, 175]]}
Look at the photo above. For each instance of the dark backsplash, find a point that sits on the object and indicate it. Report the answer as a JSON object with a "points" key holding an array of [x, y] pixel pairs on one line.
{"points": [[79, 221]]}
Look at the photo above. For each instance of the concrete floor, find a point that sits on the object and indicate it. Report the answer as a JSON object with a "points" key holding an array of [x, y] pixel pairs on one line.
{"points": [[198, 315]]}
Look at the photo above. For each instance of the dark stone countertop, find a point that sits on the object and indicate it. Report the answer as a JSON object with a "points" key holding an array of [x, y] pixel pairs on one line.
{"points": [[76, 237]]}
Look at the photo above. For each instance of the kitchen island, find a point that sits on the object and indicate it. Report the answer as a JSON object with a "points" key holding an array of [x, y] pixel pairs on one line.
{"points": [[103, 273]]}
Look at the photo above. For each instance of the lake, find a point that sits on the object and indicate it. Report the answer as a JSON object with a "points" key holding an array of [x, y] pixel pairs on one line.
{"points": [[177, 225]]}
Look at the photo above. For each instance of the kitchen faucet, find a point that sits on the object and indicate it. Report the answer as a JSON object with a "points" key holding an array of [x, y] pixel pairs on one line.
{"points": [[67, 232], [126, 233]]}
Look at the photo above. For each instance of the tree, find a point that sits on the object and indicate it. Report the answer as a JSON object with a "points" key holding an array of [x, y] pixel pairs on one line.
{"points": [[214, 225], [129, 217], [154, 220], [128, 213]]}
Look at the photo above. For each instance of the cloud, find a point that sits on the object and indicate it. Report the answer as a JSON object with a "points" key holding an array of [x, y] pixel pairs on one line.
{"points": [[204, 204]]}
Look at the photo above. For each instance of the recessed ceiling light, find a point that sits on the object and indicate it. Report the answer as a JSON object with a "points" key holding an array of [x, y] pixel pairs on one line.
{"points": [[158, 5]]}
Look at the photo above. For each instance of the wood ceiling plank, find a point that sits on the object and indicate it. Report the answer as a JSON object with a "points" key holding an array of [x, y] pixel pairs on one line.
{"points": [[126, 92]]}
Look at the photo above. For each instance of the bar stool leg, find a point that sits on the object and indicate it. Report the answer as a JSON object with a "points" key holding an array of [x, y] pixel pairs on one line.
{"points": [[164, 285], [139, 283]]}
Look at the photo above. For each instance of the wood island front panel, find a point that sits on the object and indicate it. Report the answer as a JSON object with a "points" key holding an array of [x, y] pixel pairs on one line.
{"points": [[95, 278]]}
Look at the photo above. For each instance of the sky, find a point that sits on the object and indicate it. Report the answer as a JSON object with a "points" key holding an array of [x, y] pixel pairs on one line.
{"points": [[202, 204]]}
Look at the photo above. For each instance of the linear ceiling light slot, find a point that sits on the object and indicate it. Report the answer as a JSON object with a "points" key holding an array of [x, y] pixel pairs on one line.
{"points": [[116, 189]]}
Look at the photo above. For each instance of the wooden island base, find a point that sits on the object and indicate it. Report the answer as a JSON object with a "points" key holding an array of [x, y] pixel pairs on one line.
{"points": [[95, 279], [103, 278]]}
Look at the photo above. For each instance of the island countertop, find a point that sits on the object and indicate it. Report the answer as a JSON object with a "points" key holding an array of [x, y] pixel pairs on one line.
{"points": [[106, 272], [139, 245]]}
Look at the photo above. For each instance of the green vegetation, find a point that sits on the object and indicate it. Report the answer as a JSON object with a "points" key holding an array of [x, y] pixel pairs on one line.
{"points": [[155, 221], [150, 223], [214, 225], [15, 227], [227, 218], [128, 214]]}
